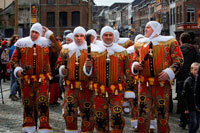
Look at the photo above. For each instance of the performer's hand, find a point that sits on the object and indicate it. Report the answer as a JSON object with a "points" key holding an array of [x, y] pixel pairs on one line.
{"points": [[19, 73], [64, 71], [186, 112], [45, 29], [138, 67], [163, 76], [88, 63]]}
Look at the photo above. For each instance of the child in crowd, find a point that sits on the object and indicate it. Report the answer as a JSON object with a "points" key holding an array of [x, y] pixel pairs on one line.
{"points": [[189, 100]]}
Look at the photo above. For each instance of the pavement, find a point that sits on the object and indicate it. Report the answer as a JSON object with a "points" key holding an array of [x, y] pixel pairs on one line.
{"points": [[11, 116]]}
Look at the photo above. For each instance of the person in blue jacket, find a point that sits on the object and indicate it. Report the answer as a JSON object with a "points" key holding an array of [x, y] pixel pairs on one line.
{"points": [[14, 87]]}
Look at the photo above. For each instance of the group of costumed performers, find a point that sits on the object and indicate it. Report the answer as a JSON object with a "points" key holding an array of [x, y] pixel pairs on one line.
{"points": [[101, 77]]}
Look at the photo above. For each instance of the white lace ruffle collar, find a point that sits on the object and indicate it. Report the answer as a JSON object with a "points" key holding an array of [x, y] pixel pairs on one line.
{"points": [[156, 40], [122, 40], [72, 47], [130, 49], [115, 48], [27, 42]]}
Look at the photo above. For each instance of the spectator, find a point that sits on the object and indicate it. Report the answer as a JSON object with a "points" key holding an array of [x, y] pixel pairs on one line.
{"points": [[59, 39], [69, 38], [4, 55], [14, 87], [197, 91], [190, 55], [188, 98], [0, 42]]}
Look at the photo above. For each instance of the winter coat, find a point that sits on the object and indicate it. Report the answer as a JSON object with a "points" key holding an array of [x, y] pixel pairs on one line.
{"points": [[190, 55], [188, 93]]}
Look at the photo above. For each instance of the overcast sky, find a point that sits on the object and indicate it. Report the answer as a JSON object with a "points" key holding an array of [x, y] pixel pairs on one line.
{"points": [[110, 2]]}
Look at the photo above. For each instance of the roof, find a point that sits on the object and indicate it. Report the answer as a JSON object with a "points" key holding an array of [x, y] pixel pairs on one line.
{"points": [[9, 9], [118, 5], [136, 2]]}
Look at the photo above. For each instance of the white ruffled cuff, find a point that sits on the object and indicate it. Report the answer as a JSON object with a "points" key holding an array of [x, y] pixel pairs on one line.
{"points": [[48, 34], [132, 68], [126, 110], [134, 123], [16, 70], [170, 73], [28, 129], [85, 72], [71, 131], [45, 131], [152, 124], [129, 94], [60, 71]]}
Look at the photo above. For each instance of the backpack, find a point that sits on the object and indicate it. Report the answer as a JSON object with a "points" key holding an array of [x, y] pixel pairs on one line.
{"points": [[5, 56]]}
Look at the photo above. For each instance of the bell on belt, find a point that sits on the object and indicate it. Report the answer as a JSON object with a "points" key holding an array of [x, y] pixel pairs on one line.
{"points": [[147, 84], [72, 86], [81, 88], [96, 92], [106, 94], [34, 51], [108, 59], [116, 92], [40, 80], [29, 81], [151, 52], [64, 83], [90, 88], [135, 82], [161, 84], [76, 63], [49, 76]]}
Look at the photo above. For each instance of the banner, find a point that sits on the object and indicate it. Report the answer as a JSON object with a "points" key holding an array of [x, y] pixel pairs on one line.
{"points": [[33, 14], [133, 27], [198, 18]]}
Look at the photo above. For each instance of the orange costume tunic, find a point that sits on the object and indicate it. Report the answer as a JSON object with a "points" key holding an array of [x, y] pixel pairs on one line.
{"points": [[165, 55], [113, 80], [23, 56]]}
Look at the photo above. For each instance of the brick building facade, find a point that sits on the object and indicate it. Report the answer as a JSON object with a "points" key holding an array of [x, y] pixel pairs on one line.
{"points": [[61, 15], [187, 16]]}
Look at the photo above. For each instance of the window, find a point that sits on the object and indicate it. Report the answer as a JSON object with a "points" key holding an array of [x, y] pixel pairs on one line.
{"points": [[76, 18], [174, 16], [171, 1], [171, 16], [178, 15], [190, 15], [63, 19], [181, 14], [50, 19], [75, 1], [50, 1]]}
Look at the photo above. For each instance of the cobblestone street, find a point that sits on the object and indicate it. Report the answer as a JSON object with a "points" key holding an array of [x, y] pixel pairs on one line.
{"points": [[11, 117]]}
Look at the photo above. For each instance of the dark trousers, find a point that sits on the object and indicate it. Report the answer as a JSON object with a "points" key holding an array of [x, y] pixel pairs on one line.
{"points": [[3, 66], [180, 105], [194, 121]]}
